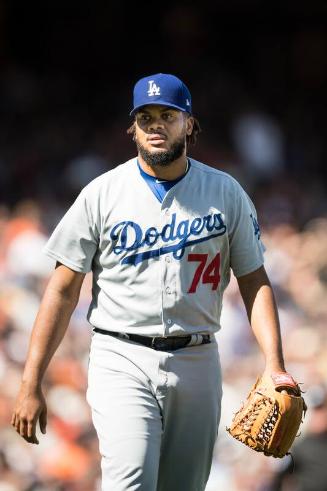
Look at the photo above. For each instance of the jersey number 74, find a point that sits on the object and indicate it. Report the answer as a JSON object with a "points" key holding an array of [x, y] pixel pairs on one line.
{"points": [[205, 273]]}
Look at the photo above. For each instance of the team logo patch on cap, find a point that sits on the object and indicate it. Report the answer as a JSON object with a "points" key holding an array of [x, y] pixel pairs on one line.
{"points": [[153, 88]]}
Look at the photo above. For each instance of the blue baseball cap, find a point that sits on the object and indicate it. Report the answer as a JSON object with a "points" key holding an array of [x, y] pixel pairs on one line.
{"points": [[163, 89]]}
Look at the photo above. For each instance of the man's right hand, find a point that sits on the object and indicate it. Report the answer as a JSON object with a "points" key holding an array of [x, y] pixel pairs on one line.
{"points": [[58, 303], [30, 407]]}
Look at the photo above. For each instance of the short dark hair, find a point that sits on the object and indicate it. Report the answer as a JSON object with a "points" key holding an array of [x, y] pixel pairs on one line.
{"points": [[190, 139]]}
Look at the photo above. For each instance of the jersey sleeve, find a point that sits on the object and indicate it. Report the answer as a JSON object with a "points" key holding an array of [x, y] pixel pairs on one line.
{"points": [[246, 247], [75, 239]]}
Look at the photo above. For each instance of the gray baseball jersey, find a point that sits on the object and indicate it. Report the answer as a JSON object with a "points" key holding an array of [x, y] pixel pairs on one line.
{"points": [[159, 268]]}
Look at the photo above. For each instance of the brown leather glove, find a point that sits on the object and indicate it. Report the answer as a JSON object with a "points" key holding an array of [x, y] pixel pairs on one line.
{"points": [[270, 418]]}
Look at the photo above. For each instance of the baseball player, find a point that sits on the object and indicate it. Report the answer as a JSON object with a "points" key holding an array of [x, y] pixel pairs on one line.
{"points": [[161, 234]]}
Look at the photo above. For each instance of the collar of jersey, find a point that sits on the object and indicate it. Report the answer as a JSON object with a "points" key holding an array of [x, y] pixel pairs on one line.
{"points": [[154, 179]]}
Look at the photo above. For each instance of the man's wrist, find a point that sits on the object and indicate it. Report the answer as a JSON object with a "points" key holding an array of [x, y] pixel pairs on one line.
{"points": [[31, 385], [275, 366]]}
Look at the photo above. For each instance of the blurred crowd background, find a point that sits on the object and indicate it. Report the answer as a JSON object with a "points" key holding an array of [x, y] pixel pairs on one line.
{"points": [[257, 74]]}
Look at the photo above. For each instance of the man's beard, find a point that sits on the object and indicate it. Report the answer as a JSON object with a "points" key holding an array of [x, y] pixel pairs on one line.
{"points": [[162, 158]]}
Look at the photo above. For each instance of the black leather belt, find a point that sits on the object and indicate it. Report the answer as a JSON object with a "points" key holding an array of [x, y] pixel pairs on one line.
{"points": [[170, 343]]}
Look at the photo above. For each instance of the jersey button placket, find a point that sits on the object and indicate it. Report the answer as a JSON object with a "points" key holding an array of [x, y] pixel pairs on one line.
{"points": [[168, 290], [166, 260]]}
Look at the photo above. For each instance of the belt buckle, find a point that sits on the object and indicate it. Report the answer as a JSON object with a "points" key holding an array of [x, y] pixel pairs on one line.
{"points": [[155, 347], [123, 335]]}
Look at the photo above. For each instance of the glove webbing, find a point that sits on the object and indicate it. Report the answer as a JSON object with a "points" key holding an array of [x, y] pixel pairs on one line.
{"points": [[266, 429]]}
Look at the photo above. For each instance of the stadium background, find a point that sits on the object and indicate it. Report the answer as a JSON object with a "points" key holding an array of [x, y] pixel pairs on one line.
{"points": [[257, 73]]}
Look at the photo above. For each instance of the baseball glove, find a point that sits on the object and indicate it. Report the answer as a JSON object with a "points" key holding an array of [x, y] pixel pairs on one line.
{"points": [[269, 419]]}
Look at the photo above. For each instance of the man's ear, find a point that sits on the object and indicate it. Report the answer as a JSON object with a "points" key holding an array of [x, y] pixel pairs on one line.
{"points": [[189, 125]]}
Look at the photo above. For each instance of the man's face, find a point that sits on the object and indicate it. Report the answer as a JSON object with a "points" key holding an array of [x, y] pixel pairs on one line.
{"points": [[160, 134]]}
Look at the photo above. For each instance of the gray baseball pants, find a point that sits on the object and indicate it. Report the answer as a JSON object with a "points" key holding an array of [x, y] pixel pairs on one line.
{"points": [[156, 413]]}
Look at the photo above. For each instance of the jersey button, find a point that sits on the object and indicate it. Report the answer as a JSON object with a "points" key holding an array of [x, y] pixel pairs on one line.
{"points": [[169, 321], [168, 290], [168, 259]]}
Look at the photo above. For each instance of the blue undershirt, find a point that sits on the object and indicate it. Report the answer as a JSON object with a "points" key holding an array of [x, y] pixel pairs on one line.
{"points": [[160, 187]]}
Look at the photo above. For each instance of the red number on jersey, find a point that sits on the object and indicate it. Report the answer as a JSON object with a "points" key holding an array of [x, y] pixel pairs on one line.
{"points": [[202, 258], [210, 274]]}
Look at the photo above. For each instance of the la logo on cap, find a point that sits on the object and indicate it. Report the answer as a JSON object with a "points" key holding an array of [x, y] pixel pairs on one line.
{"points": [[153, 88], [162, 89]]}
